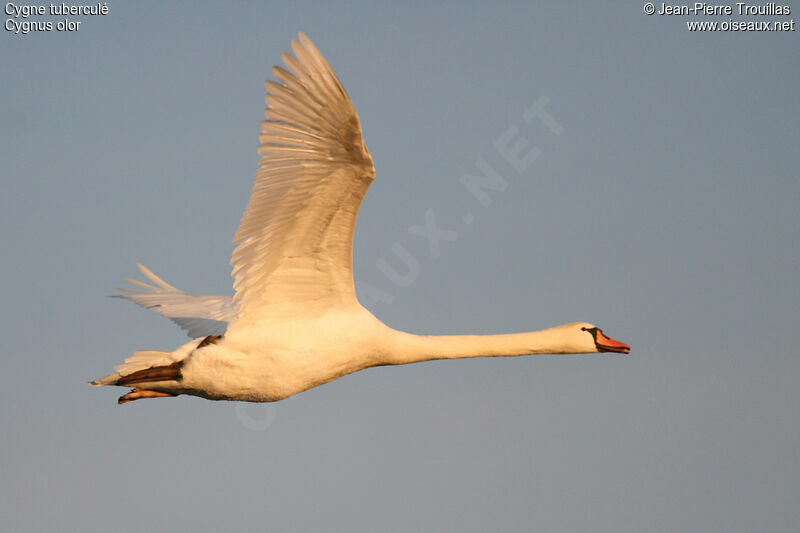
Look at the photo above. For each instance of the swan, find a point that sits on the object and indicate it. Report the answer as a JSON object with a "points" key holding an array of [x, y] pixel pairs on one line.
{"points": [[295, 322]]}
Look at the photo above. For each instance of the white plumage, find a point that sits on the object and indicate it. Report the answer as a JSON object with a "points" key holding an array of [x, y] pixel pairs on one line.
{"points": [[295, 322]]}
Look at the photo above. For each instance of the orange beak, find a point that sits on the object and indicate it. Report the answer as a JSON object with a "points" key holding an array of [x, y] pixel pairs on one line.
{"points": [[607, 344]]}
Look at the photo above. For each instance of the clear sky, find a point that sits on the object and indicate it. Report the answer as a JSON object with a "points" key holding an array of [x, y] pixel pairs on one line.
{"points": [[659, 200]]}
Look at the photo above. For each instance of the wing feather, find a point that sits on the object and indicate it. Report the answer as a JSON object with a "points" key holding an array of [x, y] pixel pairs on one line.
{"points": [[294, 243], [199, 314]]}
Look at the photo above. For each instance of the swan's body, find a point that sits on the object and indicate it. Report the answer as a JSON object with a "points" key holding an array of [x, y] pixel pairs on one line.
{"points": [[295, 322]]}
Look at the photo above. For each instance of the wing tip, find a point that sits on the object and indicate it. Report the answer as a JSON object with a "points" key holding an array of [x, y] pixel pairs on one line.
{"points": [[154, 278]]}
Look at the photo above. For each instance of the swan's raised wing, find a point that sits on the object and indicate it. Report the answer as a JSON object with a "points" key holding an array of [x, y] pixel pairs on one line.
{"points": [[199, 314], [294, 244]]}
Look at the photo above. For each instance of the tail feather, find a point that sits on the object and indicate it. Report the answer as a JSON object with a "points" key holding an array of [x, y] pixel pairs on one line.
{"points": [[143, 359], [136, 366], [139, 361]]}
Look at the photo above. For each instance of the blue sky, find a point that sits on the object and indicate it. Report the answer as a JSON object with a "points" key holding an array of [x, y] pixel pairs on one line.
{"points": [[665, 211]]}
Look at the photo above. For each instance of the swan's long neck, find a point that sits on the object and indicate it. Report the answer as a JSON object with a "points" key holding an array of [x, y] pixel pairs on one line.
{"points": [[408, 348]]}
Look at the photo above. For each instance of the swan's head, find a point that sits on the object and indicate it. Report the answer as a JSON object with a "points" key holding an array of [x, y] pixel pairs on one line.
{"points": [[591, 339]]}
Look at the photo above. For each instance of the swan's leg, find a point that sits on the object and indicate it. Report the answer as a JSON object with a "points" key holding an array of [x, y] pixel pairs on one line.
{"points": [[138, 394]]}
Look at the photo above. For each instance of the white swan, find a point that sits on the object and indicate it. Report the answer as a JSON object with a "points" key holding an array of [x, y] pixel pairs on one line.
{"points": [[294, 322]]}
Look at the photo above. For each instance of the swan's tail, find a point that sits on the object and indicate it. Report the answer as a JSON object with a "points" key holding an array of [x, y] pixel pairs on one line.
{"points": [[157, 369], [140, 361], [149, 366]]}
